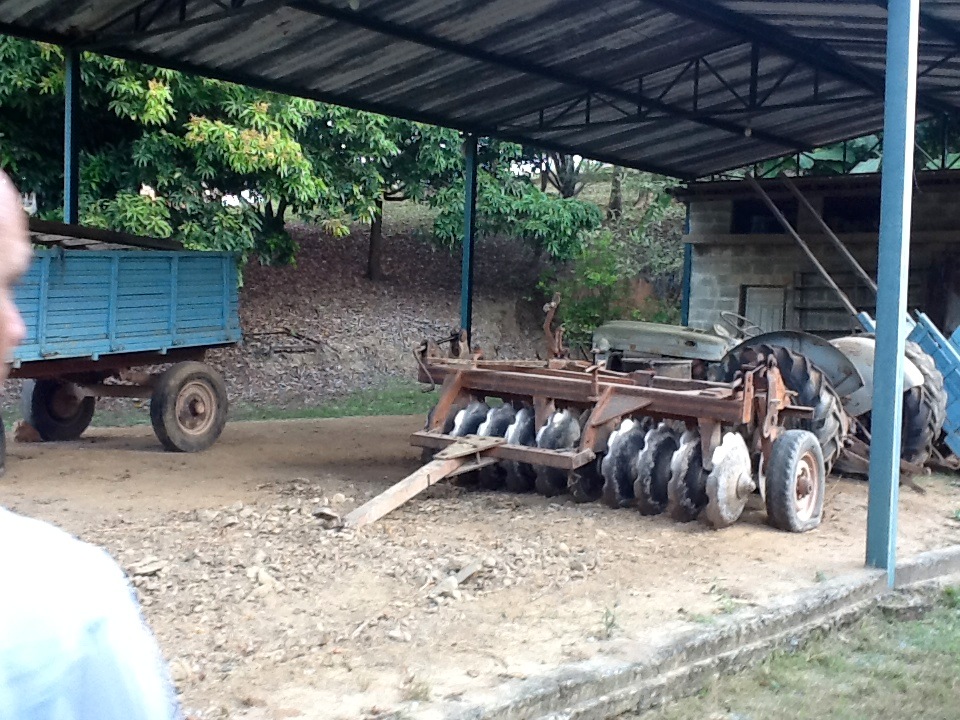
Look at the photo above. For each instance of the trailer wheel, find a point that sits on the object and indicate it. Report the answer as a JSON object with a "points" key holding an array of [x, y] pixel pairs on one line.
{"points": [[687, 490], [796, 482], [830, 424], [188, 408], [55, 409], [653, 469]]}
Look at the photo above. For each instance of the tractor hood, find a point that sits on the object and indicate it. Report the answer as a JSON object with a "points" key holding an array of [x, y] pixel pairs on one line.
{"points": [[637, 338]]}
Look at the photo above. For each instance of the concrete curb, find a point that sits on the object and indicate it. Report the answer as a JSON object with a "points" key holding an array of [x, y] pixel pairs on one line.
{"points": [[682, 663]]}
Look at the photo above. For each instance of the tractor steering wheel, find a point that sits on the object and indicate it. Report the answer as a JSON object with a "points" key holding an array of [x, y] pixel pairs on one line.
{"points": [[740, 325]]}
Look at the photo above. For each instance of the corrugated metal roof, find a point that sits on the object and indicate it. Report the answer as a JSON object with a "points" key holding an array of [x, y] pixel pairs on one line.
{"points": [[683, 87]]}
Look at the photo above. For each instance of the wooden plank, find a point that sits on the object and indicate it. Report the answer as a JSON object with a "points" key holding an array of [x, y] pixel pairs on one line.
{"points": [[412, 485], [49, 228]]}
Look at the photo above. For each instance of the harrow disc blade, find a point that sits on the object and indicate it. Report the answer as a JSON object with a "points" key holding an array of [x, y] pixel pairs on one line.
{"points": [[498, 420], [687, 492], [729, 484], [468, 420], [619, 466], [521, 477], [653, 469], [562, 431]]}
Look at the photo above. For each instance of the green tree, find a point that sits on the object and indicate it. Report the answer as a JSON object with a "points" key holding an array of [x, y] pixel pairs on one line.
{"points": [[508, 203]]}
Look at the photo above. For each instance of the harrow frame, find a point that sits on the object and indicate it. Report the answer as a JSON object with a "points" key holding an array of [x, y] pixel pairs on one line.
{"points": [[757, 401]]}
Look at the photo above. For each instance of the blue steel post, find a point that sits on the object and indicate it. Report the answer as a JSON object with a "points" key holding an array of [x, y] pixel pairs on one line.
{"points": [[71, 147], [469, 232], [687, 270], [892, 275]]}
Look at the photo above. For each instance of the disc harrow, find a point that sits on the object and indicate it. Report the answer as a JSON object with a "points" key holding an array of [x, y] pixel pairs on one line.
{"points": [[652, 444]]}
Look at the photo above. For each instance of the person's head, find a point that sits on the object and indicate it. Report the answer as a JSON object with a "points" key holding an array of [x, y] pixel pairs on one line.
{"points": [[14, 260]]}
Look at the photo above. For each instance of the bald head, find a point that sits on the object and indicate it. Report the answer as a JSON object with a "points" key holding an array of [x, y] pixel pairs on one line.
{"points": [[14, 260]]}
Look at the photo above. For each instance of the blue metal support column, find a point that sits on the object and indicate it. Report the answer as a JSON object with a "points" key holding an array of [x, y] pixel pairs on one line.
{"points": [[469, 233], [71, 147], [687, 270], [892, 275]]}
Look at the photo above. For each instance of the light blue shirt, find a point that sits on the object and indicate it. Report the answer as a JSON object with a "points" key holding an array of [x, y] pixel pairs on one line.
{"points": [[73, 645]]}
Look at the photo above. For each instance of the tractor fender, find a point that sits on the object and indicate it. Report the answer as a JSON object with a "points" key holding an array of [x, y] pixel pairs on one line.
{"points": [[860, 350], [844, 375]]}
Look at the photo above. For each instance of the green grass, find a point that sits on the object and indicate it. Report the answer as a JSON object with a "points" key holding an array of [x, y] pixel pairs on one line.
{"points": [[878, 669], [394, 398]]}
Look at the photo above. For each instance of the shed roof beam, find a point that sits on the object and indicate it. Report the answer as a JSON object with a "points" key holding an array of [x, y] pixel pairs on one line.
{"points": [[418, 37], [101, 43], [810, 53]]}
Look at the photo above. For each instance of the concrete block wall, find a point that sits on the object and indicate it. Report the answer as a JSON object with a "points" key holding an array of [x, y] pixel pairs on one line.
{"points": [[718, 272]]}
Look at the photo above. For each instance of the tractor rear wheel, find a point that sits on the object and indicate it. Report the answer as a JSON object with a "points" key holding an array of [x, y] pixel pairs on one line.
{"points": [[929, 409], [830, 424]]}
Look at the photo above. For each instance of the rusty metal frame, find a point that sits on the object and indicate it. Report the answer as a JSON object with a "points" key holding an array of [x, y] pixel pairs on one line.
{"points": [[759, 399]]}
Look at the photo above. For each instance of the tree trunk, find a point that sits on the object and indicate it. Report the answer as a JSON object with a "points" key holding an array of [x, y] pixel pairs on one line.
{"points": [[375, 256], [615, 205], [544, 170]]}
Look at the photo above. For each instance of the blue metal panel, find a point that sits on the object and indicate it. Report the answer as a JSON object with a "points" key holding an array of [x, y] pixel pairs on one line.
{"points": [[892, 277], [85, 304], [71, 143], [469, 232]]}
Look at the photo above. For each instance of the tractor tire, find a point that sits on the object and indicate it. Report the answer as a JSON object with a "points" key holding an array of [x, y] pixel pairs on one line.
{"points": [[924, 410], [52, 407], [830, 424], [928, 410]]}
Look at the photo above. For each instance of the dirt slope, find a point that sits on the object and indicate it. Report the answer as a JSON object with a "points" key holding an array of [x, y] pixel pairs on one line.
{"points": [[366, 330]]}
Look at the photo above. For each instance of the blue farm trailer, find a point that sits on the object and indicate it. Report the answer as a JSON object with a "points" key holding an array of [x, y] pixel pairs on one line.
{"points": [[95, 315]]}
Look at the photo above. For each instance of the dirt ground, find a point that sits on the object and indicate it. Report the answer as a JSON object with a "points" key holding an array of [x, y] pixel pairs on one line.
{"points": [[264, 612]]}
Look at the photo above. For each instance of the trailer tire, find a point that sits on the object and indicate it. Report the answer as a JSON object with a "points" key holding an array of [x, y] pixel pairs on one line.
{"points": [[830, 424], [795, 482], [188, 408], [54, 410]]}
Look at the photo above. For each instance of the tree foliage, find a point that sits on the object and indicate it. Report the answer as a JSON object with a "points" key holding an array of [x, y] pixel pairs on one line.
{"points": [[508, 203], [222, 166], [597, 282]]}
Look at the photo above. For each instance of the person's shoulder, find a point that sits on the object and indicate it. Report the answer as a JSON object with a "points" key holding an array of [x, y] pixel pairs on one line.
{"points": [[49, 571], [49, 554]]}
